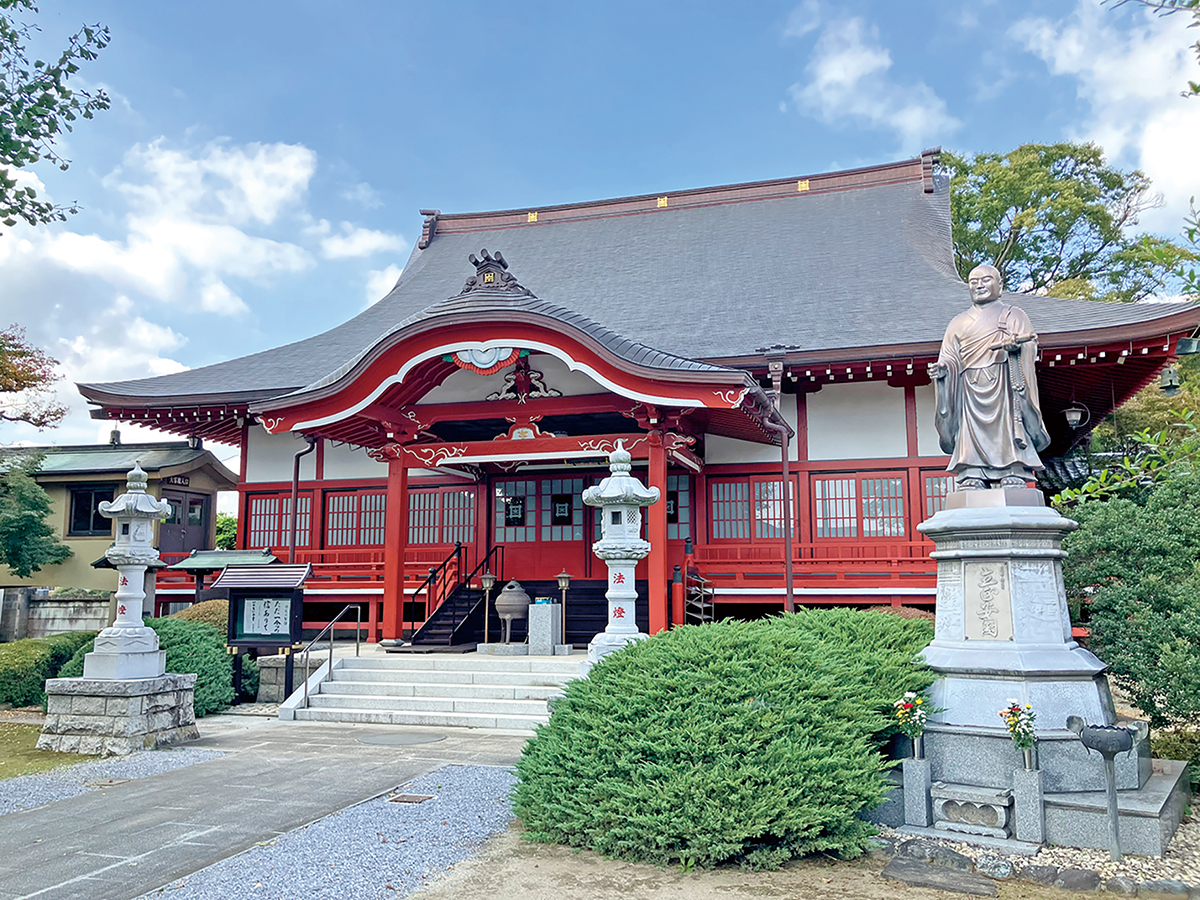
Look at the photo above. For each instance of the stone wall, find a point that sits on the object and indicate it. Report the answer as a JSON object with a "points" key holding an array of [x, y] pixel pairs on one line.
{"points": [[271, 674]]}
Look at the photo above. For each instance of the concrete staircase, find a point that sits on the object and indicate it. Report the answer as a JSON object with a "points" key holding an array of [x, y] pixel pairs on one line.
{"points": [[465, 690]]}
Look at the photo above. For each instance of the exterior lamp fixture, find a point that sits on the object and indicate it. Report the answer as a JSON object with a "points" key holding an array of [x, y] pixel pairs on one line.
{"points": [[487, 581], [1077, 415], [1170, 381], [564, 582]]}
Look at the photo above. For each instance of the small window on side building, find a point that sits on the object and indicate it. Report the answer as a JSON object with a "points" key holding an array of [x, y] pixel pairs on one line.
{"points": [[85, 513]]}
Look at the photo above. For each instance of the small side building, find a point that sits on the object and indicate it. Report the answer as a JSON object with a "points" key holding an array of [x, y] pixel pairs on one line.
{"points": [[78, 478]]}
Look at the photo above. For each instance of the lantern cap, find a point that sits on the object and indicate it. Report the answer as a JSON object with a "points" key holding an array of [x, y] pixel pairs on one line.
{"points": [[620, 488], [135, 503]]}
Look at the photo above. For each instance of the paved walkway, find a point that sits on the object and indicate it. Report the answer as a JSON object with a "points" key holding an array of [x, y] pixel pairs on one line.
{"points": [[134, 837]]}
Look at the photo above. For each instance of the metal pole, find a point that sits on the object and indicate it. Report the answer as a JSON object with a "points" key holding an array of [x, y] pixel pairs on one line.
{"points": [[1110, 790], [312, 445]]}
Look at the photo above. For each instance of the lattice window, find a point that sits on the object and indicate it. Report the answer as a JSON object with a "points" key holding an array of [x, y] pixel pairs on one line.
{"points": [[730, 519], [515, 516], [355, 518], [679, 507], [937, 485], [562, 509], [458, 517], [424, 517], [271, 521], [835, 507], [883, 507], [768, 510]]}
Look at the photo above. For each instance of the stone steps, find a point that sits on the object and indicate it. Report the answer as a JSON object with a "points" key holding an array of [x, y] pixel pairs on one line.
{"points": [[465, 690]]}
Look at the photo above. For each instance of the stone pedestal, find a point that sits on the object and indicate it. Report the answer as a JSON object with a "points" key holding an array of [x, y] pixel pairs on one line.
{"points": [[917, 781], [112, 718], [545, 630], [1003, 631], [1029, 805]]}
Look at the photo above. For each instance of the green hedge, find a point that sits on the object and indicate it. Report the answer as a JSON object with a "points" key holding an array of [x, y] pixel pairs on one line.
{"points": [[25, 665], [194, 647], [735, 742]]}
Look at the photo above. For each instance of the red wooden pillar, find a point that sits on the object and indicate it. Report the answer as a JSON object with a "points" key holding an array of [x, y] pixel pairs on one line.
{"points": [[395, 539], [657, 571]]}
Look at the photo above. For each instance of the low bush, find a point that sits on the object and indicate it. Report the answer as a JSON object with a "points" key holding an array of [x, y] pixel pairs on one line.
{"points": [[192, 647], [1179, 743], [734, 742], [26, 664]]}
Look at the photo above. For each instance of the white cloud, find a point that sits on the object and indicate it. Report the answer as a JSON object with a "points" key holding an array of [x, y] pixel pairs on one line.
{"points": [[1130, 71], [804, 18], [364, 195], [218, 298], [355, 242], [848, 80], [380, 282]]}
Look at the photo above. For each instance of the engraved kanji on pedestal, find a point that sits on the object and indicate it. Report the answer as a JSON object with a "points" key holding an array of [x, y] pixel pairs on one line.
{"points": [[620, 497], [127, 648]]}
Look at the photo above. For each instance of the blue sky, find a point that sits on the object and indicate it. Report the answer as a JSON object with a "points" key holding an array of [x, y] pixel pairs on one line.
{"points": [[258, 177]]}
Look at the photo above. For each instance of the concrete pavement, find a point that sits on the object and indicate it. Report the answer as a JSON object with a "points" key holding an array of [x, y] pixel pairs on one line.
{"points": [[276, 776]]}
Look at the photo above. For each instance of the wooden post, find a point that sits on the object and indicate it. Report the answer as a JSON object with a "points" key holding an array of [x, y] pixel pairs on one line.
{"points": [[657, 571], [395, 539]]}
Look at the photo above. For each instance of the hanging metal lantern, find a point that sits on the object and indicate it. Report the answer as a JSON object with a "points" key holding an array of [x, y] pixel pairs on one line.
{"points": [[1170, 381]]}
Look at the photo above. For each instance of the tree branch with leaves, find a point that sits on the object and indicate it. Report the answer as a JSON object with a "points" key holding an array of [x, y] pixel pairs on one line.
{"points": [[27, 375], [36, 107]]}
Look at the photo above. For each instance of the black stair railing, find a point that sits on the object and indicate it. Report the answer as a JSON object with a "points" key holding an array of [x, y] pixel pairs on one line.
{"points": [[441, 582], [446, 624]]}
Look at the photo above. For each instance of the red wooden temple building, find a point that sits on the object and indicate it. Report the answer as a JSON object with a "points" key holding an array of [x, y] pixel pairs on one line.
{"points": [[451, 428]]}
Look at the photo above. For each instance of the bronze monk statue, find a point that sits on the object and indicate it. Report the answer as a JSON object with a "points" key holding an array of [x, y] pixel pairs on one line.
{"points": [[988, 418]]}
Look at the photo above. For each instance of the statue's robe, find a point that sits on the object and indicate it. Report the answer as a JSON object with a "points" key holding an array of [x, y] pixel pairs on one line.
{"points": [[976, 421]]}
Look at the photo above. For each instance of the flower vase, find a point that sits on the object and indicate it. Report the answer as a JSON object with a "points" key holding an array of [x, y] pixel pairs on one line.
{"points": [[918, 747], [1031, 758]]}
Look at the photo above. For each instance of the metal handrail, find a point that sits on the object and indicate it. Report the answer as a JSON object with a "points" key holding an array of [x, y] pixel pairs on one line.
{"points": [[430, 581], [497, 550], [329, 628]]}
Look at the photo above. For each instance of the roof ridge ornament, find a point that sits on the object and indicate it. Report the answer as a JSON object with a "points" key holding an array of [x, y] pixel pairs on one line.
{"points": [[491, 274]]}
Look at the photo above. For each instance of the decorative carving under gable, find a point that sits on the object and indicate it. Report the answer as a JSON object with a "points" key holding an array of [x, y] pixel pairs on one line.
{"points": [[491, 274], [523, 383], [387, 452], [523, 430], [485, 362]]}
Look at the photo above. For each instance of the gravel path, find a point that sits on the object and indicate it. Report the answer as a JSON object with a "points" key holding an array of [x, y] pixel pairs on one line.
{"points": [[28, 791], [375, 849]]}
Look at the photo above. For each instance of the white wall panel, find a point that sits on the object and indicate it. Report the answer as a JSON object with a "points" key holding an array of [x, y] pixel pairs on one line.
{"points": [[719, 449], [269, 457], [927, 439], [344, 461], [857, 421]]}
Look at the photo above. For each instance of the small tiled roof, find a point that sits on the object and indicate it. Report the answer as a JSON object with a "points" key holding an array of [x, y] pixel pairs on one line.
{"points": [[211, 560], [94, 459], [284, 575], [846, 261]]}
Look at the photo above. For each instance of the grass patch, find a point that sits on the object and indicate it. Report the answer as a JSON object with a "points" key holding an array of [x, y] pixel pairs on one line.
{"points": [[18, 755]]}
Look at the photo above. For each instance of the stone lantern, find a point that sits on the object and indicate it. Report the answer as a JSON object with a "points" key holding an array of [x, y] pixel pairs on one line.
{"points": [[620, 497], [125, 700], [127, 648]]}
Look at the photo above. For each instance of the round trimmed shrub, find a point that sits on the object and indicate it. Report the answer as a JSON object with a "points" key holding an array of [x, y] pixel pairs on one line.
{"points": [[26, 664], [192, 647], [215, 612], [735, 742]]}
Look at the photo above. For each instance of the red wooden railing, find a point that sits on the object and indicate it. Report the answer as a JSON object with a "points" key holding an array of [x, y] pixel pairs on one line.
{"points": [[880, 564]]}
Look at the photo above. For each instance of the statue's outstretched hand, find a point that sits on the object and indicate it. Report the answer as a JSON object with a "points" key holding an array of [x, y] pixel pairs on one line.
{"points": [[938, 370]]}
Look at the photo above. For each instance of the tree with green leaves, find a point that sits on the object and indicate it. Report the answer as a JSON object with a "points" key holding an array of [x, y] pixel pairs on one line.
{"points": [[226, 531], [36, 107], [27, 375], [1057, 218], [27, 543]]}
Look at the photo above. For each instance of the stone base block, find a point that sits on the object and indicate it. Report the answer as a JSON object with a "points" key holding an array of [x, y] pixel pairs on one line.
{"points": [[271, 675], [105, 717], [1029, 805], [124, 664], [545, 628], [987, 757], [503, 649], [563, 649], [917, 780], [967, 809], [1147, 818]]}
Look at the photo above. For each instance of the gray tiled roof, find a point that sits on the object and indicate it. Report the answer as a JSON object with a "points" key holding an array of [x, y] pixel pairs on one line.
{"points": [[869, 266], [102, 458]]}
